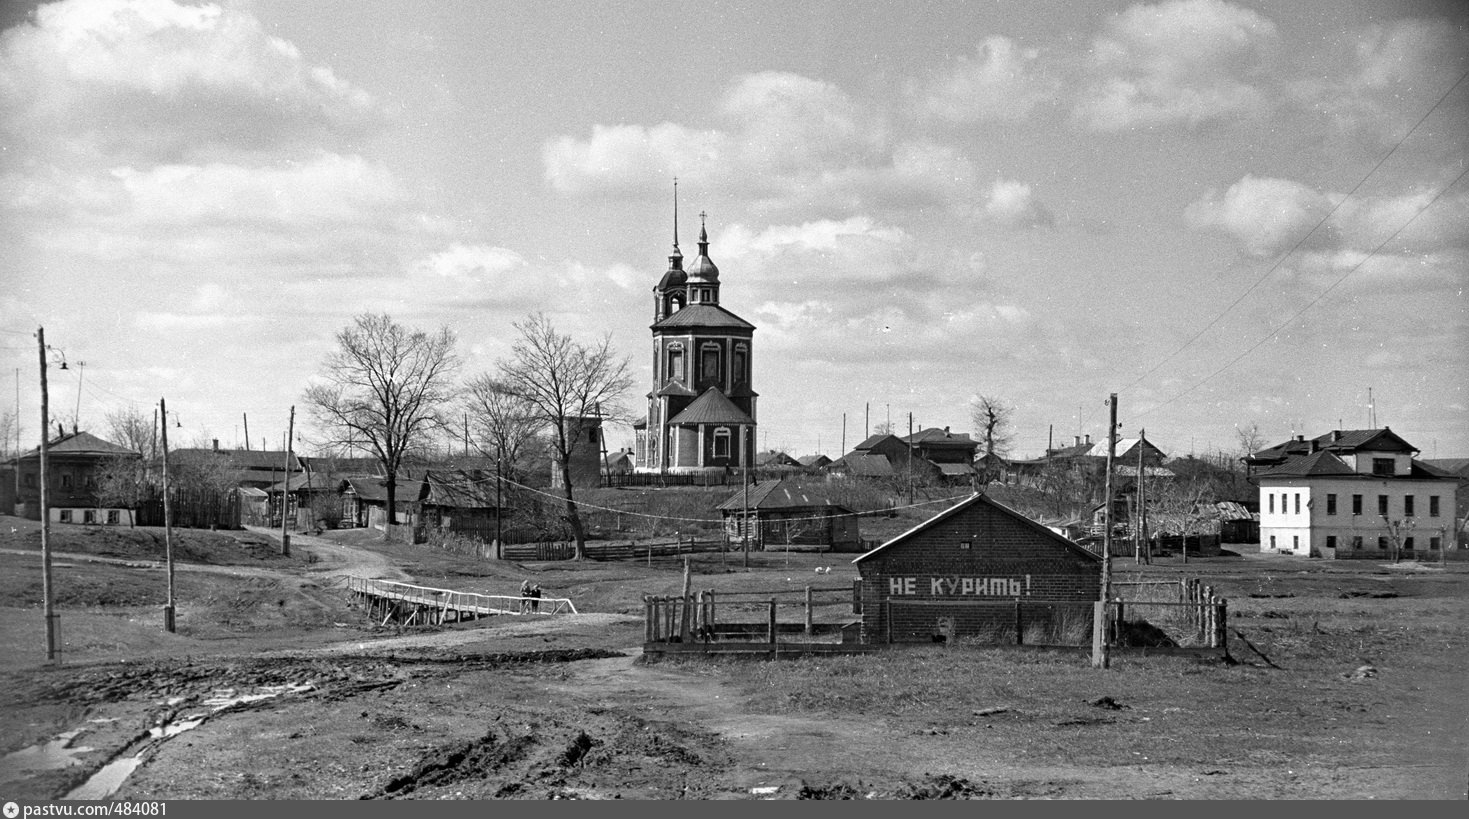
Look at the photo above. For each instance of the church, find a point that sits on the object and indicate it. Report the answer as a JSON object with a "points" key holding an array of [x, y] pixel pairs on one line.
{"points": [[701, 410]]}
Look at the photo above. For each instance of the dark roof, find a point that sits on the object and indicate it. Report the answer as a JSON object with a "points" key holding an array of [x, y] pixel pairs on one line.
{"points": [[866, 465], [980, 499], [1344, 441], [345, 466], [1451, 466], [775, 458], [873, 440], [258, 459], [463, 490], [675, 387], [79, 443], [711, 408], [374, 489], [813, 460], [778, 494], [956, 469], [935, 437], [703, 315], [1315, 464], [315, 481]]}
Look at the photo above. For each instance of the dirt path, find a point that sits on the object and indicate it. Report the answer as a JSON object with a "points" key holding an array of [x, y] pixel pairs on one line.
{"points": [[335, 560]]}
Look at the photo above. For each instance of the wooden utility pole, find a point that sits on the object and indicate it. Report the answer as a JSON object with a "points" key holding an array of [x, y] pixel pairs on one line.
{"points": [[286, 486], [1137, 496], [168, 608], [910, 459], [47, 598], [1142, 500], [745, 520], [499, 505], [1101, 624], [246, 416], [844, 434]]}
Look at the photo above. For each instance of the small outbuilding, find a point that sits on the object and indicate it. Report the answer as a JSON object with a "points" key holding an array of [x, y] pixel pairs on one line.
{"points": [[783, 514], [982, 571]]}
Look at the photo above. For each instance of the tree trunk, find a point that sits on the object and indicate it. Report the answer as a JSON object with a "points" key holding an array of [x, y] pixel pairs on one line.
{"points": [[573, 517], [392, 486]]}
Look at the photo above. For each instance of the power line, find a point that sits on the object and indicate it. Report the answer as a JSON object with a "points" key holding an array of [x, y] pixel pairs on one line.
{"points": [[1282, 258], [1314, 301]]}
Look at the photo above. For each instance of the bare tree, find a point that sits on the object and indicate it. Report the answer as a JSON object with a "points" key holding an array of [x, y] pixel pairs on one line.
{"points": [[131, 428], [1250, 439], [9, 431], [564, 381], [384, 388], [505, 423], [992, 419], [883, 428]]}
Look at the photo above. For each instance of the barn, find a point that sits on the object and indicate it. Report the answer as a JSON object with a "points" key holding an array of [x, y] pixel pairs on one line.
{"points": [[978, 571]]}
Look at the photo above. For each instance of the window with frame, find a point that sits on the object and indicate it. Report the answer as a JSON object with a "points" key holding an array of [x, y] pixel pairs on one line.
{"points": [[113, 517], [1272, 541], [1433, 506], [1382, 504], [89, 516], [1434, 543], [1331, 541], [1295, 542], [1356, 504], [709, 363], [1298, 503], [1408, 506], [65, 480], [1407, 544], [1270, 501], [1382, 542], [675, 362], [721, 442], [1383, 466], [739, 370], [1331, 504], [64, 516]]}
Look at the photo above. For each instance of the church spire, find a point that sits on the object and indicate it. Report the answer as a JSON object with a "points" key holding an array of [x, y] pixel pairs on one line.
{"points": [[677, 254]]}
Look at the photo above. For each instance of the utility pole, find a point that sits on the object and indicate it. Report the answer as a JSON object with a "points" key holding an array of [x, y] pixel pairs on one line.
{"points": [[866, 421], [1101, 625], [499, 506], [246, 416], [48, 603], [844, 435], [286, 485], [17, 438], [910, 459], [168, 609], [76, 418], [1137, 496]]}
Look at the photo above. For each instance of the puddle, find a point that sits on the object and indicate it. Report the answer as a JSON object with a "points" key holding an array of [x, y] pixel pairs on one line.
{"points": [[109, 778], [50, 756]]}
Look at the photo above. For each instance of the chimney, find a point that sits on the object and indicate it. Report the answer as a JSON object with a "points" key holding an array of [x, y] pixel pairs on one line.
{"points": [[75, 430], [60, 430], [1335, 435], [1077, 439], [1088, 438], [946, 430], [216, 444], [1315, 445]]}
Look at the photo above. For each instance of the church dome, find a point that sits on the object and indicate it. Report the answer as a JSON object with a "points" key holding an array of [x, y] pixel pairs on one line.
{"points": [[703, 268]]}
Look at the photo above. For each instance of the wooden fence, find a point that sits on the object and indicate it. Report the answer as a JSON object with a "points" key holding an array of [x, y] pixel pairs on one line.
{"points": [[192, 508], [565, 550]]}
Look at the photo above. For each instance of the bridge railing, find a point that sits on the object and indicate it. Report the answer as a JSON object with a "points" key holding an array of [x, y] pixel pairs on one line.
{"points": [[458, 600]]}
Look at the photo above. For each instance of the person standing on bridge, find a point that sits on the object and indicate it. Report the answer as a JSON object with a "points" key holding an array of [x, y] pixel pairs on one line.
{"points": [[524, 596], [535, 598]]}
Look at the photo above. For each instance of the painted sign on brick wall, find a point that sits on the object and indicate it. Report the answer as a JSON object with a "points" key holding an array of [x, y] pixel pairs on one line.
{"points": [[958, 586]]}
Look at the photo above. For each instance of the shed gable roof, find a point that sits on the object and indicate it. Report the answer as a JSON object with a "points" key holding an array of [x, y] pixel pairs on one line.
{"points": [[973, 502]]}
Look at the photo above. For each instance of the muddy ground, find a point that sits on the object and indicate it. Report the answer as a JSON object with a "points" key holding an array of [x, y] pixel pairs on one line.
{"points": [[1352, 689]]}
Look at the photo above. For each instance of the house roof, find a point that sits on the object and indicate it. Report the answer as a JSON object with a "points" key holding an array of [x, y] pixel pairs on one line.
{"points": [[981, 499], [1344, 441], [458, 489], [256, 459], [935, 437], [711, 408], [778, 494], [866, 465], [873, 440], [813, 460], [703, 315], [79, 443], [956, 469], [1451, 466], [316, 481], [674, 387], [374, 489], [1315, 464], [775, 458]]}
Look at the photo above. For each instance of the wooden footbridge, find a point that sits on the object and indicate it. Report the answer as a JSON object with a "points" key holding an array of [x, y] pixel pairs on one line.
{"points": [[408, 605]]}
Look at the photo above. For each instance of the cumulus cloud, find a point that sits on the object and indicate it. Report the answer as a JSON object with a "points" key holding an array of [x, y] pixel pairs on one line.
{"points": [[1014, 204], [1270, 216], [152, 80], [1265, 215], [791, 145], [1394, 68], [1002, 81], [1187, 61]]}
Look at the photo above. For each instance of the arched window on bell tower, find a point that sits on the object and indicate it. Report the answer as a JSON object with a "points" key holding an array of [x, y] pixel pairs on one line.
{"points": [[676, 362], [710, 371]]}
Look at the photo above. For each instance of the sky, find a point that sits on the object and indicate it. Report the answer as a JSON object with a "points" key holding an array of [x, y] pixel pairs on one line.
{"points": [[1228, 214]]}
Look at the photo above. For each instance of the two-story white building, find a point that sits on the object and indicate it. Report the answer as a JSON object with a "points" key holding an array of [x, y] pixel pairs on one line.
{"points": [[1352, 494]]}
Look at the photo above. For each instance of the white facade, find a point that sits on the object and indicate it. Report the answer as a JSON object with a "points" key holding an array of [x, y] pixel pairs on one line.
{"points": [[1336, 515]]}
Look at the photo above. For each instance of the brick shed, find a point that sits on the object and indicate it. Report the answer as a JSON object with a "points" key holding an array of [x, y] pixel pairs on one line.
{"points": [[981, 570]]}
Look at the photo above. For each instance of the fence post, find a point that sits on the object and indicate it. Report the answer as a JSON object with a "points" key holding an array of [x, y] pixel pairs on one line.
{"points": [[1209, 624], [1019, 625], [772, 623], [1223, 625], [808, 610], [647, 620]]}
